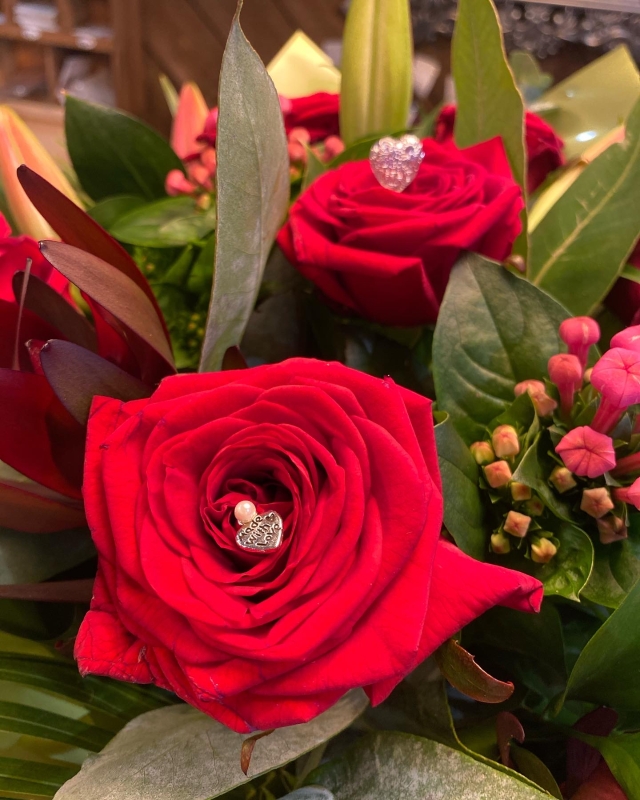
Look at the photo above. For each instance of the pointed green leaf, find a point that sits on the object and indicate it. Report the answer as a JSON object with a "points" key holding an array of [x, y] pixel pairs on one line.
{"points": [[31, 778], [32, 557], [18, 718], [253, 192], [592, 229], [172, 222], [377, 71]]}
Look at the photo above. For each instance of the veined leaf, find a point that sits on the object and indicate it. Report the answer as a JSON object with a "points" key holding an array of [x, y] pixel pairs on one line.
{"points": [[592, 228], [179, 753], [172, 222], [253, 192], [377, 71]]}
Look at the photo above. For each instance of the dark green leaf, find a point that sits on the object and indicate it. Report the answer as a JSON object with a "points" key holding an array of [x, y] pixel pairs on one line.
{"points": [[18, 718], [32, 778], [622, 754], [32, 557], [463, 510], [107, 212], [530, 765], [114, 153], [172, 222], [568, 572], [534, 470], [494, 330]]}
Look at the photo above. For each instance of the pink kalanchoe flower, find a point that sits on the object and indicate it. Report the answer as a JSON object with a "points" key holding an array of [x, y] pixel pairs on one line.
{"points": [[579, 333], [596, 502], [565, 370], [176, 184], [612, 529], [587, 452], [528, 386], [617, 377], [630, 494], [629, 338]]}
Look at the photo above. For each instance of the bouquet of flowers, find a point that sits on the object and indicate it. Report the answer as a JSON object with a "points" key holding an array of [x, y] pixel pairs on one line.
{"points": [[320, 443]]}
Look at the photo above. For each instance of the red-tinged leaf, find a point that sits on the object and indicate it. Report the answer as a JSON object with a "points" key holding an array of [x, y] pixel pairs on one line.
{"points": [[77, 376], [247, 749], [508, 727], [582, 759], [37, 435], [76, 228], [233, 359], [112, 339], [601, 785], [32, 513], [51, 307], [120, 296], [461, 670], [79, 591]]}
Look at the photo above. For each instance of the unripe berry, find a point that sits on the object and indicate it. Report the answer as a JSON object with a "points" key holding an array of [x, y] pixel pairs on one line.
{"points": [[596, 502], [482, 452], [505, 441], [562, 479], [498, 474], [517, 524], [543, 550], [500, 543]]}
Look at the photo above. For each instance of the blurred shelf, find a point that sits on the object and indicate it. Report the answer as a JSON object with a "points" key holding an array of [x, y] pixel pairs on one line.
{"points": [[84, 42]]}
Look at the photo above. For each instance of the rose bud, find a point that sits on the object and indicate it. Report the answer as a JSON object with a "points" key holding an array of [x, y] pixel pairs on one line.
{"points": [[500, 543], [587, 452], [566, 372], [520, 491], [505, 441], [629, 494], [482, 452], [579, 333], [543, 550], [629, 338], [176, 184], [348, 491], [517, 524], [617, 377], [497, 474], [562, 479], [612, 529], [596, 502], [534, 507], [528, 386]]}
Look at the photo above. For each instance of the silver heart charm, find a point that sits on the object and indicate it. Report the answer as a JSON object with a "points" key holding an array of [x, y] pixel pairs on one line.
{"points": [[262, 534], [395, 162]]}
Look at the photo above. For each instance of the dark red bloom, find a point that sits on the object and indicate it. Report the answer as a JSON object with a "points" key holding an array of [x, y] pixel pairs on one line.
{"points": [[387, 256], [624, 298], [362, 589]]}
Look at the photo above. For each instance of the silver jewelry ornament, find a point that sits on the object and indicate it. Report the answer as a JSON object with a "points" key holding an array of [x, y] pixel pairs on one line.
{"points": [[259, 533], [395, 162]]}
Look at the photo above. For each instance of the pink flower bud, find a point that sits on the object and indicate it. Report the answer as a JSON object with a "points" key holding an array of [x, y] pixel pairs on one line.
{"points": [[200, 175], [528, 386], [617, 377], [517, 524], [520, 492], [498, 474], [505, 441], [566, 372], [628, 339], [562, 479], [299, 136], [587, 452], [612, 529], [176, 184], [534, 507], [500, 543], [596, 502], [297, 153], [543, 403], [482, 452], [579, 333], [543, 550], [333, 146], [630, 494], [627, 465]]}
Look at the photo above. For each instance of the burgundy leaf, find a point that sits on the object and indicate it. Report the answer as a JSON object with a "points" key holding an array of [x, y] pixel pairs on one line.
{"points": [[79, 591], [508, 727], [32, 513], [460, 669], [233, 359], [247, 749]]}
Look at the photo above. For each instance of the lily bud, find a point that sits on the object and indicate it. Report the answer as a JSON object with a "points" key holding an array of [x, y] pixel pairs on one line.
{"points": [[562, 479], [630, 494], [505, 441], [596, 502], [498, 474], [482, 452], [500, 543], [189, 122], [520, 491], [579, 333], [612, 529], [566, 372], [543, 550], [617, 377], [587, 452], [517, 524], [534, 507]]}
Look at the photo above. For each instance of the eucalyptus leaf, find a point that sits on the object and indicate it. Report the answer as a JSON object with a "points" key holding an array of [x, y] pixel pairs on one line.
{"points": [[172, 222], [179, 753], [377, 69], [494, 330], [114, 153], [398, 766], [253, 192], [463, 509], [592, 228]]}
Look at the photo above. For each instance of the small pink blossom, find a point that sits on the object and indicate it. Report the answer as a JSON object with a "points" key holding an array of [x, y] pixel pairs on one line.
{"points": [[528, 386], [629, 338], [617, 377], [596, 502], [629, 494], [498, 474], [565, 371], [587, 452], [579, 333]]}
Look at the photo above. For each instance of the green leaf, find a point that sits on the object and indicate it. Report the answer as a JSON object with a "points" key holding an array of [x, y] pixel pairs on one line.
{"points": [[606, 672], [616, 568], [377, 69], [494, 330], [315, 168], [108, 212], [32, 557], [253, 192], [622, 754], [568, 572], [534, 470], [18, 718], [463, 509], [179, 753], [398, 766], [529, 77], [114, 153], [592, 228], [530, 765], [32, 778], [172, 222]]}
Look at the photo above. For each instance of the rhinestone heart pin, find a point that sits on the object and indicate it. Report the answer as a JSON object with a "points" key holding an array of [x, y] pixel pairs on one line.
{"points": [[259, 533], [395, 162]]}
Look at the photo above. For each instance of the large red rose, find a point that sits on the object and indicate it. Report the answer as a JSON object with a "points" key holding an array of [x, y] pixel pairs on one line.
{"points": [[387, 256], [544, 147], [362, 588]]}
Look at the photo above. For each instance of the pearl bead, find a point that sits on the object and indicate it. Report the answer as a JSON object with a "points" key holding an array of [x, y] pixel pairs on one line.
{"points": [[245, 511]]}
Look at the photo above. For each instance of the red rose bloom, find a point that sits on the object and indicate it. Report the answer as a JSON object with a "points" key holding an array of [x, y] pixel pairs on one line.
{"points": [[318, 113], [544, 147], [387, 256], [362, 588]]}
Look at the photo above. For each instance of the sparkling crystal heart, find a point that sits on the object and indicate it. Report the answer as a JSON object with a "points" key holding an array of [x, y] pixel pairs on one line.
{"points": [[395, 162], [262, 534]]}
